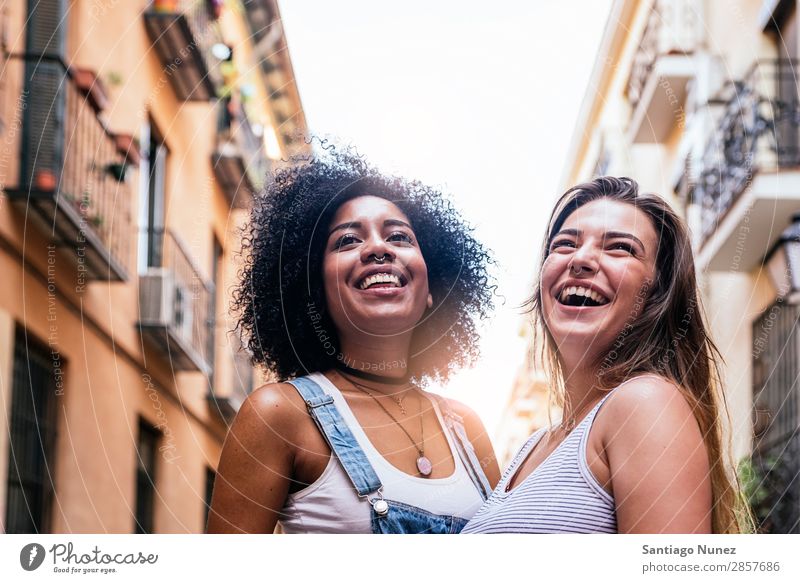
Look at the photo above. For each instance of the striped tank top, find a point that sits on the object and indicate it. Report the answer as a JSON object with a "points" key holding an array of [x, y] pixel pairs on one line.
{"points": [[561, 495]]}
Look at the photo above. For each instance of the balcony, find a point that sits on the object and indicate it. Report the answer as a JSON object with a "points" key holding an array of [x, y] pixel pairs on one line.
{"points": [[239, 159], [264, 20], [185, 34], [174, 304], [662, 68], [749, 176], [72, 172]]}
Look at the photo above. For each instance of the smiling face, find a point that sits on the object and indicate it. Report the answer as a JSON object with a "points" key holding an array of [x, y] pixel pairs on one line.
{"points": [[594, 279], [375, 278]]}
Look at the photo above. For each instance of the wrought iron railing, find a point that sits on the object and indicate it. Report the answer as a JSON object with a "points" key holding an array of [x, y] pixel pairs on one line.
{"points": [[758, 127], [672, 28], [240, 159], [94, 176], [71, 169], [187, 35], [644, 58], [176, 296]]}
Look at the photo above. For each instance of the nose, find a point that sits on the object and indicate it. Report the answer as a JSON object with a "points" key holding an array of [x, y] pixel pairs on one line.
{"points": [[584, 261], [375, 249]]}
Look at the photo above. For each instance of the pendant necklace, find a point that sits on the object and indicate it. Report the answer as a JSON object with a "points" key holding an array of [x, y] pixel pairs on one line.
{"points": [[424, 465]]}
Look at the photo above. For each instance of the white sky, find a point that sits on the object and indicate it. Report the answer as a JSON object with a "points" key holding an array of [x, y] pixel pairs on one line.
{"points": [[479, 98]]}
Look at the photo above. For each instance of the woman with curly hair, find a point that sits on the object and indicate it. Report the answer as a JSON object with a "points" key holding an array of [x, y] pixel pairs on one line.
{"points": [[639, 448], [357, 289]]}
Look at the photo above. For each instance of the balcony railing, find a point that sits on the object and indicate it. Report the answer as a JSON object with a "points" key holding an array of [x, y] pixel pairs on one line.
{"points": [[263, 18], [175, 304], [758, 128], [240, 161], [185, 34], [672, 29], [72, 177], [662, 68]]}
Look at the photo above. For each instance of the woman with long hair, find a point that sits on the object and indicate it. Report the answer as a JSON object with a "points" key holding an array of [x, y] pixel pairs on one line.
{"points": [[357, 290], [639, 448]]}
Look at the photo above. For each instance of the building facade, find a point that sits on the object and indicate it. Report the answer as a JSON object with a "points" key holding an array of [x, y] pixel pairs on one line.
{"points": [[133, 136], [697, 100]]}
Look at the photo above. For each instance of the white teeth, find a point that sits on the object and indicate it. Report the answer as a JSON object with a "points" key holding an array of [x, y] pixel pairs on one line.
{"points": [[380, 278], [584, 292]]}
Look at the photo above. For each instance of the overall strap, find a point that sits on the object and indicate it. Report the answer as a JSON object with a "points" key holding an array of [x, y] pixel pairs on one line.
{"points": [[338, 435], [466, 452]]}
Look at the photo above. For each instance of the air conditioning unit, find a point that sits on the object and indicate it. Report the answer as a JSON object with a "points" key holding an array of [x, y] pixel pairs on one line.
{"points": [[164, 302]]}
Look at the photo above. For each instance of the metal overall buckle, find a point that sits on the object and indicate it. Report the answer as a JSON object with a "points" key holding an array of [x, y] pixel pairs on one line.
{"points": [[379, 505]]}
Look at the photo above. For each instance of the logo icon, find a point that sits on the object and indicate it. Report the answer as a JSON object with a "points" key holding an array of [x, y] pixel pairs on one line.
{"points": [[31, 556]]}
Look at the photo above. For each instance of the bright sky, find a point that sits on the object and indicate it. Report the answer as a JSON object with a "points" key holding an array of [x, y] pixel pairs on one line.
{"points": [[479, 98]]}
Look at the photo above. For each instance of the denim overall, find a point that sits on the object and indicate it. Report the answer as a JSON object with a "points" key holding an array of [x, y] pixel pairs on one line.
{"points": [[388, 516]]}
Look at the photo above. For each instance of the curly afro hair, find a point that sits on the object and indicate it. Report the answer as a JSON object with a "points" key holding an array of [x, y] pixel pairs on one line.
{"points": [[280, 298]]}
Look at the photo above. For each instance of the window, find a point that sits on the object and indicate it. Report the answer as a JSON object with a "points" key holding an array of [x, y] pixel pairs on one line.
{"points": [[32, 438], [145, 477], [152, 195]]}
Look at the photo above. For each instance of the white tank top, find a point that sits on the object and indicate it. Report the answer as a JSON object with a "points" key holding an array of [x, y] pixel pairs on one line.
{"points": [[331, 505]]}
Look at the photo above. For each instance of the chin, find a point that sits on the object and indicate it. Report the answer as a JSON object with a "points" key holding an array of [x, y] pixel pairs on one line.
{"points": [[386, 322], [591, 339]]}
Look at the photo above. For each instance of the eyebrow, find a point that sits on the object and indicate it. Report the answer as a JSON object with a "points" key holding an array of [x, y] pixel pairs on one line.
{"points": [[358, 225], [606, 235]]}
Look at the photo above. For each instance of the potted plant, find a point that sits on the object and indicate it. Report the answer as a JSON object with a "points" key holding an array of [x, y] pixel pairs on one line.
{"points": [[45, 180], [169, 6]]}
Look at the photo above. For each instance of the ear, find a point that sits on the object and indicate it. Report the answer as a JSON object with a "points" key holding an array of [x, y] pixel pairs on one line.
{"points": [[430, 301]]}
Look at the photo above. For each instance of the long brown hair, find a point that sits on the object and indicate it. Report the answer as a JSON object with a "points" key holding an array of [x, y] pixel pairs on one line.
{"points": [[666, 336]]}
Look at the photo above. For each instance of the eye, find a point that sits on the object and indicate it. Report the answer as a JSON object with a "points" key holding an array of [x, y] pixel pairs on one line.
{"points": [[401, 236], [558, 243], [348, 239], [623, 246]]}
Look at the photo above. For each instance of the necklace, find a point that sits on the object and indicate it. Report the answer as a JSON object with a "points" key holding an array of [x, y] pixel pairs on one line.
{"points": [[375, 378], [394, 397], [424, 465]]}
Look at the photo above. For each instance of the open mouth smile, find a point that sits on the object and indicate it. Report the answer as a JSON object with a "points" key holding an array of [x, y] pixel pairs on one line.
{"points": [[578, 296], [381, 280]]}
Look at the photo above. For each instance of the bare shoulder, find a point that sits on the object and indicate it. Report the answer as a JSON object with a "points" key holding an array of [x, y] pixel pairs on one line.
{"points": [[646, 405], [472, 421], [647, 393], [466, 413], [274, 408]]}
